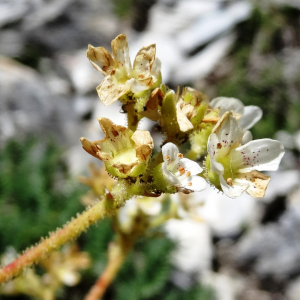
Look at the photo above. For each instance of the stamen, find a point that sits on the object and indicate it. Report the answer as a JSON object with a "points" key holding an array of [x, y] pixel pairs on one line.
{"points": [[189, 184], [180, 155], [167, 157], [229, 181], [188, 174], [181, 170]]}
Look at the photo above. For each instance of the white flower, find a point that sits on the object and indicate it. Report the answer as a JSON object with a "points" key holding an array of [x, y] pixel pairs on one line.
{"points": [[147, 205], [121, 79], [181, 172], [247, 115], [233, 166]]}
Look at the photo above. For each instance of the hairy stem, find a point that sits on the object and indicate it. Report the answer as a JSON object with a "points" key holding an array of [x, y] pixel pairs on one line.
{"points": [[116, 255], [70, 231], [132, 117], [117, 252]]}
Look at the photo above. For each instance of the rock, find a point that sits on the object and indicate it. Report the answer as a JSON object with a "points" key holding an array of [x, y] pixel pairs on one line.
{"points": [[13, 10], [293, 289], [11, 43], [212, 25], [84, 77], [281, 183], [28, 106], [44, 12], [273, 250], [203, 63]]}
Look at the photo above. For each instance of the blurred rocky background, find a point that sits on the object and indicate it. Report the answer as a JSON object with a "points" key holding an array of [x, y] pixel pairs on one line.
{"points": [[249, 50]]}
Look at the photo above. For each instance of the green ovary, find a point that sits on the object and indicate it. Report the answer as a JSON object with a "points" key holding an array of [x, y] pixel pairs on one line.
{"points": [[228, 170], [126, 156]]}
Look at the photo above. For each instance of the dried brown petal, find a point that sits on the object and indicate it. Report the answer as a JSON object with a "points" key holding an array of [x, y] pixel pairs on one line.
{"points": [[258, 183], [144, 59], [151, 106], [125, 168], [110, 129], [109, 92], [143, 144], [89, 147], [100, 59], [184, 113]]}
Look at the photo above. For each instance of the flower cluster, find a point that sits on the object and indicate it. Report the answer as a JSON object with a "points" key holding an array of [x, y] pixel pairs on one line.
{"points": [[214, 135], [205, 143]]}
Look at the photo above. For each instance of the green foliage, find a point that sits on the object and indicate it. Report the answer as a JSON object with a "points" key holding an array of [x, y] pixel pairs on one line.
{"points": [[122, 7], [146, 275], [36, 193]]}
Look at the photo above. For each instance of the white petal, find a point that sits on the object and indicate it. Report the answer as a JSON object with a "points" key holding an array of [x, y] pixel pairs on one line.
{"points": [[212, 144], [135, 85], [247, 137], [215, 166], [171, 151], [252, 114], [260, 155], [198, 184], [237, 188], [212, 150], [229, 133], [149, 206], [227, 104], [69, 278], [190, 165], [155, 70], [172, 179]]}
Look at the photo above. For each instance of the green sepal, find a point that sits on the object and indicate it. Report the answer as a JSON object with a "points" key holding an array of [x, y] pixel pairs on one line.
{"points": [[168, 113], [211, 175], [199, 138], [201, 109], [160, 181]]}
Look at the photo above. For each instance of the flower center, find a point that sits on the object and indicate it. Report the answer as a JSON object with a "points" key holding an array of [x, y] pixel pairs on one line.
{"points": [[126, 156]]}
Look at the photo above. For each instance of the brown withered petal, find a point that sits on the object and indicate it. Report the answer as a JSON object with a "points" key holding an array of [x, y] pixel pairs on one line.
{"points": [[258, 183], [143, 144], [146, 80], [211, 119], [151, 105], [198, 97], [125, 168], [184, 113], [89, 147], [100, 59], [109, 92], [109, 128], [103, 156]]}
